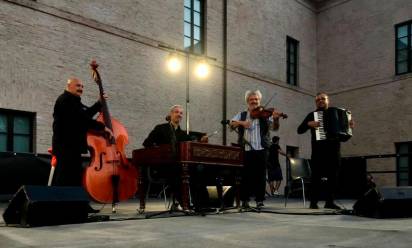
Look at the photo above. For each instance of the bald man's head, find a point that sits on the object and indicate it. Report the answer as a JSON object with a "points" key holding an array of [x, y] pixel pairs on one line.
{"points": [[75, 86]]}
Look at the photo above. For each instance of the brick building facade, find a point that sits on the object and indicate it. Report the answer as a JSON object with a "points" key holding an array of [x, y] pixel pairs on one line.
{"points": [[345, 47]]}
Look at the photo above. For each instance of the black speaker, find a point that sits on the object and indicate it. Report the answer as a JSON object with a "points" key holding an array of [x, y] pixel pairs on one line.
{"points": [[44, 205], [389, 202], [352, 178]]}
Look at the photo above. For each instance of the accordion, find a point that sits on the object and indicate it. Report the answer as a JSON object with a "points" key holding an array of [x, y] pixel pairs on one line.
{"points": [[334, 124]]}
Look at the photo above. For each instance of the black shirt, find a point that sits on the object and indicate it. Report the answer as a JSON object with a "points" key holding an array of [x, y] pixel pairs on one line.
{"points": [[274, 155], [316, 144], [163, 134]]}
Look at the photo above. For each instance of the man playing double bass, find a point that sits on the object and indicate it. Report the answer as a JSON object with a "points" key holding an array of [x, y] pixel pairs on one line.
{"points": [[71, 122], [254, 137]]}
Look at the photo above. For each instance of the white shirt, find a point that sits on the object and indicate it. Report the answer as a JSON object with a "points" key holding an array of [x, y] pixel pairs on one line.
{"points": [[252, 134]]}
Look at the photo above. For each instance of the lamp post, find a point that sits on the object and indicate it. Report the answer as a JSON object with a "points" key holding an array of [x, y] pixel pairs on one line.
{"points": [[174, 66], [187, 94]]}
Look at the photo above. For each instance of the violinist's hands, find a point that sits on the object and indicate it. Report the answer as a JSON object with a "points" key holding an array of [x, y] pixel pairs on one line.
{"points": [[276, 115], [245, 124], [103, 97], [314, 124]]}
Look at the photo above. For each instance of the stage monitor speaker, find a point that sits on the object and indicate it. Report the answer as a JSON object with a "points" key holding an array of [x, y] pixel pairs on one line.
{"points": [[46, 205], [228, 196], [388, 202]]}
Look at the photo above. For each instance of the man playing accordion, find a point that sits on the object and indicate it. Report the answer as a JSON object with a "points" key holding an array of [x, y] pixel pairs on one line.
{"points": [[325, 159]]}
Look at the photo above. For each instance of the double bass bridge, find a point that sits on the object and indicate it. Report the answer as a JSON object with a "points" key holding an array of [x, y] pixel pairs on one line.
{"points": [[113, 161]]}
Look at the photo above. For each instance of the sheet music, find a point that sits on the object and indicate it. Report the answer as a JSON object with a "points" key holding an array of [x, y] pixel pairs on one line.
{"points": [[320, 131]]}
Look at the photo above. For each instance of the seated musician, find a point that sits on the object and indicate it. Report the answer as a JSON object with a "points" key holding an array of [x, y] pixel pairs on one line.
{"points": [[171, 133], [325, 160]]}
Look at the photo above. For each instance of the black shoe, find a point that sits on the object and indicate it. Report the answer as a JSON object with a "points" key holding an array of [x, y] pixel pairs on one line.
{"points": [[259, 204], [314, 206], [92, 210], [332, 206]]}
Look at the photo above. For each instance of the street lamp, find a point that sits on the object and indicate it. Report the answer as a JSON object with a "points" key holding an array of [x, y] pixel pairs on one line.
{"points": [[202, 69], [174, 65]]}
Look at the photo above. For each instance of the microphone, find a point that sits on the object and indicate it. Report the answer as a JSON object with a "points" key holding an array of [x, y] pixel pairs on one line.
{"points": [[225, 122]]}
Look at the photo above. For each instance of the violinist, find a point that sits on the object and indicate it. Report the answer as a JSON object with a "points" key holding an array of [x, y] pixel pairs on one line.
{"points": [[253, 135], [171, 133], [71, 121]]}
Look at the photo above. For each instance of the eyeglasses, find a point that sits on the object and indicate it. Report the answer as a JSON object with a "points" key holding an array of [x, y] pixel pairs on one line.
{"points": [[321, 99]]}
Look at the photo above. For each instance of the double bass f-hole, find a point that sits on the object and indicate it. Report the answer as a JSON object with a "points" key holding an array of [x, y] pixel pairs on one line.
{"points": [[114, 162], [100, 162]]}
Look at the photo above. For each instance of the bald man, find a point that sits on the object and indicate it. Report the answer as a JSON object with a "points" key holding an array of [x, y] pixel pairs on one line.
{"points": [[71, 122]]}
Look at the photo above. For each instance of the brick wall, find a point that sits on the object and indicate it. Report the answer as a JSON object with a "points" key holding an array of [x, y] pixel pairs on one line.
{"points": [[44, 42]]}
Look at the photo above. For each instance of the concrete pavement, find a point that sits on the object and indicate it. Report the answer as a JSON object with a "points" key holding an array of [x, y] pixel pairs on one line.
{"points": [[294, 226]]}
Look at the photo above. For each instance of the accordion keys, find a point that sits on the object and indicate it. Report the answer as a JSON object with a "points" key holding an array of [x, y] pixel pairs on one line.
{"points": [[334, 124], [320, 131]]}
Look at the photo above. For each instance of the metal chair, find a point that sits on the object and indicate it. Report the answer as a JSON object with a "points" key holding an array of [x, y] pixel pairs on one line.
{"points": [[298, 174], [154, 179]]}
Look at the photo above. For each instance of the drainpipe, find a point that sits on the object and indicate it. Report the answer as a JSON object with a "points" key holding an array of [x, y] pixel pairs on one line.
{"points": [[224, 113]]}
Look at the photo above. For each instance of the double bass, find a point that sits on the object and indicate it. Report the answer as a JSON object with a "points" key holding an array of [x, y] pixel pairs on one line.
{"points": [[110, 177]]}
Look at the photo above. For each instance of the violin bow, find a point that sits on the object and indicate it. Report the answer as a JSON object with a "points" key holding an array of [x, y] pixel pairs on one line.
{"points": [[270, 99]]}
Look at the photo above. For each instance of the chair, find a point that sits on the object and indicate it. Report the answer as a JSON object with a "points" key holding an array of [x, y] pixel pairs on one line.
{"points": [[53, 164], [152, 178], [298, 174], [156, 177]]}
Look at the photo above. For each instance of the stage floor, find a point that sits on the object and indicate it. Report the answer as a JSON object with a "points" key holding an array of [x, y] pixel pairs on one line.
{"points": [[275, 226]]}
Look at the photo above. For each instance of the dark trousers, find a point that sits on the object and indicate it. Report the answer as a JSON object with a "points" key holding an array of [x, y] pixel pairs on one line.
{"points": [[69, 170], [198, 190], [325, 163], [254, 175], [172, 175]]}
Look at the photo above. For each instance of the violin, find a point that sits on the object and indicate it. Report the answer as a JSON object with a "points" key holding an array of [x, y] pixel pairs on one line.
{"points": [[261, 112]]}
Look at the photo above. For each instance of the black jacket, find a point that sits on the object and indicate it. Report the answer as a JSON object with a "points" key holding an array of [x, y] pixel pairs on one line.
{"points": [[71, 122], [162, 134], [321, 145]]}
